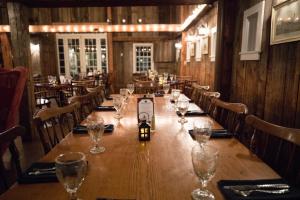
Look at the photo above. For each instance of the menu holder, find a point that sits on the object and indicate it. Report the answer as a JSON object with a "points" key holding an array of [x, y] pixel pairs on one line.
{"points": [[145, 109]]}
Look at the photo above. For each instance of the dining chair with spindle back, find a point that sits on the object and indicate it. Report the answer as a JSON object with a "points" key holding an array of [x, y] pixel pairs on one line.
{"points": [[278, 146], [230, 115], [197, 90], [144, 87], [8, 175], [205, 101], [87, 103], [53, 124], [99, 94]]}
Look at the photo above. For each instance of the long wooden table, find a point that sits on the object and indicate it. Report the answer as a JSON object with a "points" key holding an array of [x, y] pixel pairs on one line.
{"points": [[159, 169]]}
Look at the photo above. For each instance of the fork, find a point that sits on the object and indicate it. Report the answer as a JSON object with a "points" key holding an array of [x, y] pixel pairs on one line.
{"points": [[246, 193]]}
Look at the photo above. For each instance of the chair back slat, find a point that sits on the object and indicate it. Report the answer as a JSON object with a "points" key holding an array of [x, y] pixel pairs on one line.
{"points": [[278, 146], [53, 124], [229, 115]]}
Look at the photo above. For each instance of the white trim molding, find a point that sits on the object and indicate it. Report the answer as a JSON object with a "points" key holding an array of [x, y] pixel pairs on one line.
{"points": [[252, 32]]}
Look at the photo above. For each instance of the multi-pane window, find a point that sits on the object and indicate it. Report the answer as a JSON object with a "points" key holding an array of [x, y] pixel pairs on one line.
{"points": [[90, 54], [103, 55], [74, 56], [142, 57], [61, 56], [81, 53]]}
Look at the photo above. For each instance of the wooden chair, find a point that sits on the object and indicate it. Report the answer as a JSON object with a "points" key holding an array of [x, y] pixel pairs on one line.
{"points": [[53, 124], [8, 176], [99, 94], [206, 99], [144, 87], [230, 115], [87, 104], [278, 146], [197, 90]]}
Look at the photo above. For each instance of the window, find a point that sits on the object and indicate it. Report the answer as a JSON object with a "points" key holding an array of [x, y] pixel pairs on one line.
{"points": [[252, 32], [142, 57], [81, 53], [213, 43]]}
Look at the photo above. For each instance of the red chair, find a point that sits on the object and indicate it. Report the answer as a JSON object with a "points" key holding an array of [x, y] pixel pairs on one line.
{"points": [[12, 84]]}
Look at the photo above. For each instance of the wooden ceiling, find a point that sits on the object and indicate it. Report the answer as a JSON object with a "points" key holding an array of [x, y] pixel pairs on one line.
{"points": [[107, 3]]}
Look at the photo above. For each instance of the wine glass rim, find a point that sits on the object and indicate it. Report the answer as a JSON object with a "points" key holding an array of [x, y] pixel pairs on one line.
{"points": [[83, 157]]}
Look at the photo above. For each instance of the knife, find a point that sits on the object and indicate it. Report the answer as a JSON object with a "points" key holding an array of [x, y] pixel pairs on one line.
{"points": [[259, 186]]}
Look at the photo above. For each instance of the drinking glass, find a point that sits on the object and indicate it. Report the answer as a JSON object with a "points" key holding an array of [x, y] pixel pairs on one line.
{"points": [[166, 88], [183, 106], [204, 160], [70, 171], [175, 95], [96, 129], [130, 88], [124, 93], [118, 104], [202, 130]]}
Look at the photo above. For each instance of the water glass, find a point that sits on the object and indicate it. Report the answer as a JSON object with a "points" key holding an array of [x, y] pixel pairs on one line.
{"points": [[166, 88], [130, 88], [204, 160], [71, 171], [202, 130], [183, 106], [118, 104], [175, 93], [96, 129], [124, 93]]}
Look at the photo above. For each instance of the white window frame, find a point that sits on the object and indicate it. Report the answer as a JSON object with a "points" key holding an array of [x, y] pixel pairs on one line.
{"points": [[81, 37], [213, 43], [255, 54], [134, 46], [198, 56]]}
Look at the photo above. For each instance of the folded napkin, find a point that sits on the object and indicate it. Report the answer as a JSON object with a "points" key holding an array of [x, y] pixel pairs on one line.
{"points": [[79, 129], [105, 108], [191, 113], [221, 133], [38, 173], [159, 94], [172, 101], [294, 193], [108, 98]]}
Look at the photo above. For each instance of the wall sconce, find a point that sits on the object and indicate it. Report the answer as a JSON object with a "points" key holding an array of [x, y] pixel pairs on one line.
{"points": [[34, 48]]}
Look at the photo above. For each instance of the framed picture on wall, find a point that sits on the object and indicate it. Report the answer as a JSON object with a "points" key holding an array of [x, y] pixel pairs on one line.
{"points": [[204, 45], [285, 26], [192, 48]]}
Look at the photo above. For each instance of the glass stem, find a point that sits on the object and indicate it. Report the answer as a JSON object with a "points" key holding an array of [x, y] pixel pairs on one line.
{"points": [[73, 195], [203, 183]]}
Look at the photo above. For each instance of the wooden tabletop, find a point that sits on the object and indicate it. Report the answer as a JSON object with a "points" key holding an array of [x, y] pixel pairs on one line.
{"points": [[159, 169]]}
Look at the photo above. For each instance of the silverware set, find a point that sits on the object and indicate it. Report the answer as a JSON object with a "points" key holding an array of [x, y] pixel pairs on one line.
{"points": [[246, 190], [36, 172]]}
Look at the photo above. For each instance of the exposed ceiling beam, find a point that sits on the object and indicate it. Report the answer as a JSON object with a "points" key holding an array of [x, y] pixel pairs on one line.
{"points": [[106, 3]]}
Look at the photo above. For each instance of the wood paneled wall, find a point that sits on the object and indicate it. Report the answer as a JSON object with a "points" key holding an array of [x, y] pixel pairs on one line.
{"points": [[203, 71], [270, 87], [164, 54]]}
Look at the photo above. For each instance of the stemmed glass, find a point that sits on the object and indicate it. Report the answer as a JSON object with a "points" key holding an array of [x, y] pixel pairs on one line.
{"points": [[70, 171], [124, 94], [118, 104], [183, 106], [96, 129], [202, 130], [204, 160], [166, 88], [175, 95], [130, 88]]}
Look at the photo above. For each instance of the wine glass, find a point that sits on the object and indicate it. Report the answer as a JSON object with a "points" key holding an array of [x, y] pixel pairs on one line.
{"points": [[183, 106], [202, 130], [118, 104], [204, 160], [130, 88], [95, 129], [124, 93], [175, 95], [166, 88], [70, 171]]}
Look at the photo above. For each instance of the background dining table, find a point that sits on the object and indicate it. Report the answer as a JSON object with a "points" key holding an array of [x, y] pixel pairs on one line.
{"points": [[158, 169]]}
